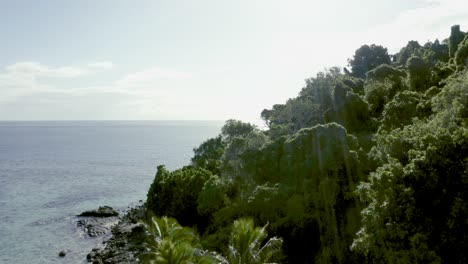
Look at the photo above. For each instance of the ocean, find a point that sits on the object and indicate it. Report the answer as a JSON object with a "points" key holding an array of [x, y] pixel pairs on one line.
{"points": [[50, 171]]}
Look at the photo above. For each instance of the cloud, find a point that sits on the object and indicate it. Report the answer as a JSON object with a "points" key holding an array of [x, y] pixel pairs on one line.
{"points": [[29, 77], [36, 69], [141, 93], [104, 65], [33, 69], [149, 75]]}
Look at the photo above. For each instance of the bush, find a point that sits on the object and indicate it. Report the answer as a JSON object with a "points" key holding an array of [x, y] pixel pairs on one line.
{"points": [[175, 194]]}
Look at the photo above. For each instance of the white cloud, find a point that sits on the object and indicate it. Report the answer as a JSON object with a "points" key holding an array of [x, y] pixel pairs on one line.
{"points": [[29, 77], [104, 65], [36, 69], [139, 93], [152, 74], [33, 69]]}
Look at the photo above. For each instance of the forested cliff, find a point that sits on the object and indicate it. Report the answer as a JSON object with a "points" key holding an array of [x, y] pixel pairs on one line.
{"points": [[368, 164]]}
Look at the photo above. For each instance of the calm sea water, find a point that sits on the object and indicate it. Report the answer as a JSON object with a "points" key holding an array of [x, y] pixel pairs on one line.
{"points": [[51, 171]]}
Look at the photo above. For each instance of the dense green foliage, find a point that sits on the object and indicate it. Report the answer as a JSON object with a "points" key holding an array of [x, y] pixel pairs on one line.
{"points": [[365, 166], [417, 209], [208, 154], [175, 194], [367, 58]]}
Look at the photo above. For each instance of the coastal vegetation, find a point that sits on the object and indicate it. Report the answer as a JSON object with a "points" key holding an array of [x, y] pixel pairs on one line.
{"points": [[368, 164]]}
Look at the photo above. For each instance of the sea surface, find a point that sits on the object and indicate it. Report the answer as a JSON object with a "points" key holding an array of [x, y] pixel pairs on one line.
{"points": [[52, 171]]}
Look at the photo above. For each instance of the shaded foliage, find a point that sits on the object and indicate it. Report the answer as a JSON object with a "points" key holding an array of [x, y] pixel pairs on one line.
{"points": [[367, 58], [456, 36], [175, 194], [401, 110], [235, 129], [419, 74], [208, 154], [461, 55]]}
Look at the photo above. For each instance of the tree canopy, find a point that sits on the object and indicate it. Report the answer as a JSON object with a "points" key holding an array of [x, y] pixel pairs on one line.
{"points": [[367, 58], [363, 166]]}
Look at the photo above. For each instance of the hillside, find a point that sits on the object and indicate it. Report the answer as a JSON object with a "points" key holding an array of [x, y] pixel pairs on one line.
{"points": [[368, 164]]}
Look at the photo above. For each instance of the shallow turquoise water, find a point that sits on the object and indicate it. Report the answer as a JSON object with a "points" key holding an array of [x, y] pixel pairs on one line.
{"points": [[51, 171]]}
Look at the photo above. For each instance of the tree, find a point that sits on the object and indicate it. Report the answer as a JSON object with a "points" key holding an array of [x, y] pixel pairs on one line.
{"points": [[352, 170], [456, 36], [213, 196], [208, 154], [238, 160], [412, 49], [461, 55], [416, 200], [167, 242], [419, 76], [296, 114], [245, 244], [350, 110], [235, 128], [175, 193], [379, 93], [401, 110], [367, 58], [441, 51]]}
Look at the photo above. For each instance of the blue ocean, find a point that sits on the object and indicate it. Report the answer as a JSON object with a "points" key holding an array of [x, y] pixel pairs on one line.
{"points": [[53, 170]]}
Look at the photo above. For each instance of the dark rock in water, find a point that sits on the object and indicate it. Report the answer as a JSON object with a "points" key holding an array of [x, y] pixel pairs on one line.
{"points": [[95, 231], [90, 256], [62, 253], [126, 242], [94, 227], [103, 211], [98, 222]]}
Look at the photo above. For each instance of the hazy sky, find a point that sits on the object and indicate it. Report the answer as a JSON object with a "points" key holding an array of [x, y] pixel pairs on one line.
{"points": [[203, 59]]}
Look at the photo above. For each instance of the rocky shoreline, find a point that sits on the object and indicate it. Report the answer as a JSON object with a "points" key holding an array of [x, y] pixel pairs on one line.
{"points": [[126, 234]]}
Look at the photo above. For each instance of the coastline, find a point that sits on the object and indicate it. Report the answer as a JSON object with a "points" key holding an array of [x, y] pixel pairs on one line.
{"points": [[124, 241]]}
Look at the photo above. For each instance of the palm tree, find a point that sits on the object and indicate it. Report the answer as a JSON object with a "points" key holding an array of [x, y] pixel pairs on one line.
{"points": [[245, 245], [168, 242], [168, 228], [172, 252]]}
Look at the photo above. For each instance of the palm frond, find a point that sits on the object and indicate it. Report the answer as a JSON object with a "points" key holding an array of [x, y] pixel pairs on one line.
{"points": [[271, 251]]}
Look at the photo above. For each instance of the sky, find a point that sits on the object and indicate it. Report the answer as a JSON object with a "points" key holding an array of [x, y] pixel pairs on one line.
{"points": [[190, 60]]}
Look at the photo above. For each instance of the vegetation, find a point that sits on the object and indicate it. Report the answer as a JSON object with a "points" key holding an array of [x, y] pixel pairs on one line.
{"points": [[368, 165], [245, 244], [170, 243]]}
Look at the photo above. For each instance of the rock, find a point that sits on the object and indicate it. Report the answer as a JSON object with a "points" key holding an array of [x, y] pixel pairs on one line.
{"points": [[126, 242], [97, 226], [62, 253], [125, 228], [102, 211], [96, 230]]}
